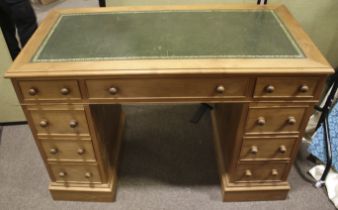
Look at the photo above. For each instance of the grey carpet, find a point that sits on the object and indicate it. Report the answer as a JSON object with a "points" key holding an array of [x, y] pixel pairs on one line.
{"points": [[166, 163]]}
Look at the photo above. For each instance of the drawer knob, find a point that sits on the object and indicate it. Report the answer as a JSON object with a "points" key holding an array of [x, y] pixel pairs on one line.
{"points": [[81, 151], [88, 175], [248, 173], [62, 174], [65, 91], [73, 124], [282, 149], [254, 149], [113, 90], [269, 89], [304, 88], [53, 151], [220, 89], [43, 123], [32, 91], [291, 120], [261, 121], [274, 172]]}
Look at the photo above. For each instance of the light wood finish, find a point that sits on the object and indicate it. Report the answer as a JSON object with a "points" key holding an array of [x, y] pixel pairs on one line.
{"points": [[313, 63], [103, 193], [59, 122], [50, 90], [267, 149], [75, 173], [242, 191], [97, 192], [78, 151], [230, 117], [262, 106], [269, 120], [285, 87], [137, 89], [259, 172]]}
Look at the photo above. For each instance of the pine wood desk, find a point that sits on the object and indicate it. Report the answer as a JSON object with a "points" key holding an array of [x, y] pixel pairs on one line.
{"points": [[255, 63]]}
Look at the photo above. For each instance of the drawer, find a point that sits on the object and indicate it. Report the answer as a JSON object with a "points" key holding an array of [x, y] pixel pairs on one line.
{"points": [[75, 173], [274, 120], [267, 149], [50, 90], [261, 172], [68, 150], [168, 88], [286, 87], [59, 122]]}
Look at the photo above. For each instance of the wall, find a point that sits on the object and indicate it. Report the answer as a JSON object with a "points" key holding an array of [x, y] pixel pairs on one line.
{"points": [[10, 110]]}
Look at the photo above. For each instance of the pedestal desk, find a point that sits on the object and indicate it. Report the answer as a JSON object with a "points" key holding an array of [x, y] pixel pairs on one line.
{"points": [[254, 63]]}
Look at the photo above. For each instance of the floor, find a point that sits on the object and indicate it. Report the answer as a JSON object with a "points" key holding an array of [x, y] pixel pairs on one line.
{"points": [[163, 166]]}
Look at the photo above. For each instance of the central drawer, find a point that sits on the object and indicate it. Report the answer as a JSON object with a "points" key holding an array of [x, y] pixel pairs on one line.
{"points": [[148, 88]]}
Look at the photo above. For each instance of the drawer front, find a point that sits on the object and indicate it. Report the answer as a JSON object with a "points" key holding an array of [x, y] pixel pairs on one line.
{"points": [[286, 87], [69, 151], [274, 120], [75, 173], [168, 88], [267, 149], [50, 90], [260, 172], [60, 122]]}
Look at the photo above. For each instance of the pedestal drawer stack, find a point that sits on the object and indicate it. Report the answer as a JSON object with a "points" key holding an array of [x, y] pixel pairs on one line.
{"points": [[78, 156], [268, 133], [63, 134]]}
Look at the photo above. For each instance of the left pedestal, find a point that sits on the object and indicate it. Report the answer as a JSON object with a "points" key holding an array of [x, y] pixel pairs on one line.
{"points": [[80, 146]]}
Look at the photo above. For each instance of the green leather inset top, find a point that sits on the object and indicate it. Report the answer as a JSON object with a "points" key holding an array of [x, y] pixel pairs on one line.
{"points": [[168, 35]]}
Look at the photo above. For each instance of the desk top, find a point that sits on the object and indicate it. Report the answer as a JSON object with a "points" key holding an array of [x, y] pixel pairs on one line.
{"points": [[169, 39], [168, 35]]}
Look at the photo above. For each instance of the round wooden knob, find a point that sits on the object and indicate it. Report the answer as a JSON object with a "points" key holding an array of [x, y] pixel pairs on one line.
{"points": [[274, 172], [73, 124], [282, 149], [254, 149], [261, 121], [62, 174], [113, 90], [220, 89], [248, 173], [269, 89], [291, 120], [32, 91], [64, 91], [304, 88], [81, 151], [53, 151], [88, 175], [43, 123]]}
